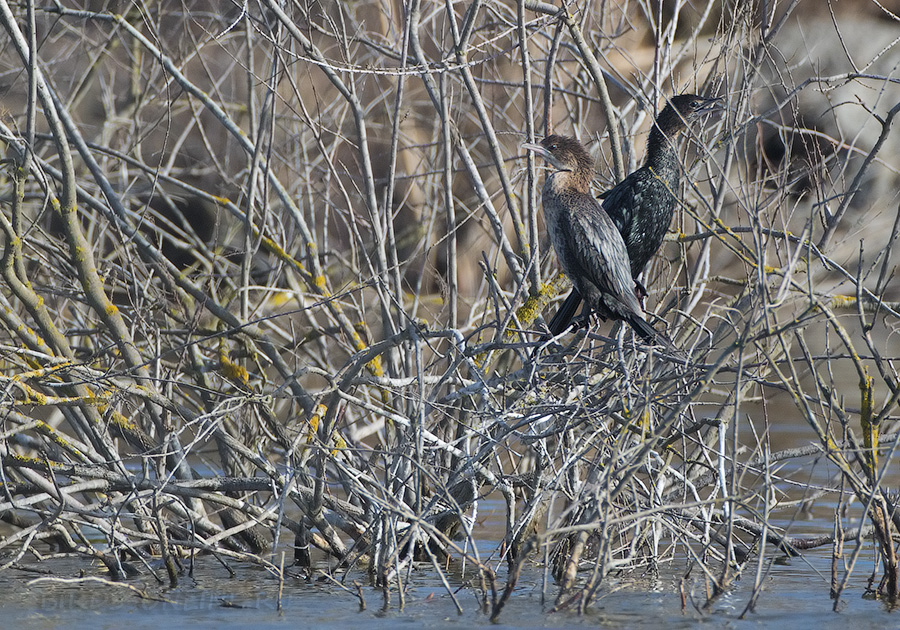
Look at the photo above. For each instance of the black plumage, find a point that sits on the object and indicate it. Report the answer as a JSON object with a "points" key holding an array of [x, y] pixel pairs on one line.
{"points": [[641, 206], [588, 245]]}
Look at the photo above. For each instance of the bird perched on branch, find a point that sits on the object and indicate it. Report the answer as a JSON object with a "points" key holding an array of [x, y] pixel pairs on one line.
{"points": [[588, 245], [641, 205]]}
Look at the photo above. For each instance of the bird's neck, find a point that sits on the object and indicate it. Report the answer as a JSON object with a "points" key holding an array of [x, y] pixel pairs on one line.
{"points": [[567, 182], [662, 152]]}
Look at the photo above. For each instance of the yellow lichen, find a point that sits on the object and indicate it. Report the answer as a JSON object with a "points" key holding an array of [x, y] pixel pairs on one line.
{"points": [[843, 301], [868, 424], [235, 372]]}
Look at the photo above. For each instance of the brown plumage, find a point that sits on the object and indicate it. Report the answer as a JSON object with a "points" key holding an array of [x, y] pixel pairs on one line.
{"points": [[641, 206], [589, 247]]}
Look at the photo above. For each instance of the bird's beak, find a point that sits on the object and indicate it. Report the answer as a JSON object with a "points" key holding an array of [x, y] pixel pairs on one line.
{"points": [[540, 150], [713, 104], [544, 153]]}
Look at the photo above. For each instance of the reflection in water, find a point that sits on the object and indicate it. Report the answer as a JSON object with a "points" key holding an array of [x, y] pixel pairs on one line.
{"points": [[795, 592]]}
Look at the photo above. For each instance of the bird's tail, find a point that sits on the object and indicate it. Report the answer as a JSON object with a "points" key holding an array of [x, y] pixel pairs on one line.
{"points": [[653, 337], [647, 332], [566, 313]]}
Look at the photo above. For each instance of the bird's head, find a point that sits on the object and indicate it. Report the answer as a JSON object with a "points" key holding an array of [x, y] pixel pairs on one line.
{"points": [[564, 154], [682, 109]]}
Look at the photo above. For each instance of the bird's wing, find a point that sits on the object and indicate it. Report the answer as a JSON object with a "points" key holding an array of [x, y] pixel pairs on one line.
{"points": [[619, 202], [601, 252]]}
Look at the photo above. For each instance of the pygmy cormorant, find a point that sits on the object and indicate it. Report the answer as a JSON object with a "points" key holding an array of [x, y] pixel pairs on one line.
{"points": [[588, 245], [641, 205]]}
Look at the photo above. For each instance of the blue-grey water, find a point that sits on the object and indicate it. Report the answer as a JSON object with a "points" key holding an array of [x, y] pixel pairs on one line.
{"points": [[794, 597], [795, 593]]}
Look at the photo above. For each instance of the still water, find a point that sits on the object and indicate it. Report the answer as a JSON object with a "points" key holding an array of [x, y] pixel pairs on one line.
{"points": [[795, 591], [795, 596]]}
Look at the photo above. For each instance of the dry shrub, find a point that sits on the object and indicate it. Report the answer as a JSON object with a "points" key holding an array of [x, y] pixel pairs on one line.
{"points": [[278, 269]]}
